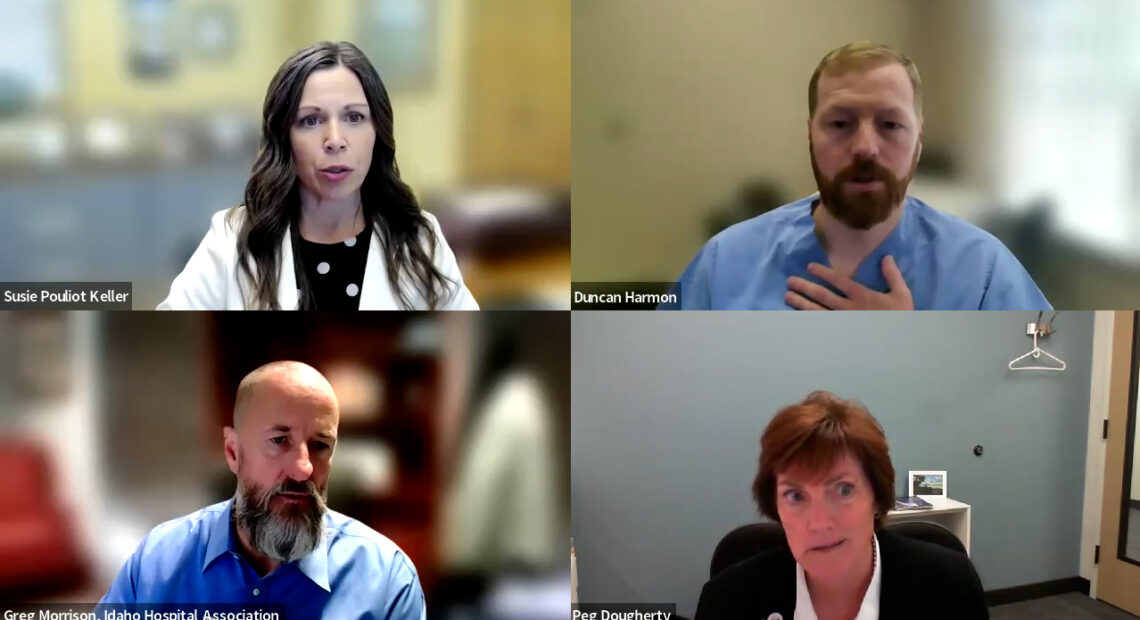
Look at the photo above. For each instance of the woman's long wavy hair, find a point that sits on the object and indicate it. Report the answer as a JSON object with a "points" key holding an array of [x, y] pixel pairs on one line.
{"points": [[272, 196]]}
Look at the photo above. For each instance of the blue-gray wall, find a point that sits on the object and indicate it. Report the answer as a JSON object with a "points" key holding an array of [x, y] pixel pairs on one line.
{"points": [[667, 410]]}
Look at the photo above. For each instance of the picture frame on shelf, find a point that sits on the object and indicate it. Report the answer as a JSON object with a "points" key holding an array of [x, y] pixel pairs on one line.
{"points": [[926, 484]]}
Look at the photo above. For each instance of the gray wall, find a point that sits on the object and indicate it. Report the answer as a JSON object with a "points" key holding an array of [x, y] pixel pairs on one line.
{"points": [[667, 411]]}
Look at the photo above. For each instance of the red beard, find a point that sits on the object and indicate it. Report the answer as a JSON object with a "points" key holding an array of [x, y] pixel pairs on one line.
{"points": [[862, 209]]}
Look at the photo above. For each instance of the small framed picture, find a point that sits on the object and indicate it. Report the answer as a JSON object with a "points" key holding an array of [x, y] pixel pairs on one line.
{"points": [[927, 484]]}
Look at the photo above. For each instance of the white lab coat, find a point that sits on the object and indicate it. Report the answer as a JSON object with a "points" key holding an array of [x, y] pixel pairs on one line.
{"points": [[210, 280], [502, 508]]}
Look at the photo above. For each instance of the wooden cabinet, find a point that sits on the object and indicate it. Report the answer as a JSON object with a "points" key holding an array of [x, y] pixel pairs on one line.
{"points": [[517, 109]]}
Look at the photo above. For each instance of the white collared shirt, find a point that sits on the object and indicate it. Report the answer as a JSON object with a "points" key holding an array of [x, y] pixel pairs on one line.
{"points": [[868, 610]]}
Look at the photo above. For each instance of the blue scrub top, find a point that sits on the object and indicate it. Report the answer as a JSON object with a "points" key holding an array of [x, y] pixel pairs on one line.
{"points": [[948, 263]]}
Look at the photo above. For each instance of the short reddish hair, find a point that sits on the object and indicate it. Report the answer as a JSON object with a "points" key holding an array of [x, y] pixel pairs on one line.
{"points": [[816, 433], [861, 56]]}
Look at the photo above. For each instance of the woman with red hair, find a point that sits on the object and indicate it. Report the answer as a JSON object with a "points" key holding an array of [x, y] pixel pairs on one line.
{"points": [[826, 476]]}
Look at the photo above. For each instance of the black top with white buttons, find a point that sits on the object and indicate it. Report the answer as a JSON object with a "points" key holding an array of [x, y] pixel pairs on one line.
{"points": [[336, 270]]}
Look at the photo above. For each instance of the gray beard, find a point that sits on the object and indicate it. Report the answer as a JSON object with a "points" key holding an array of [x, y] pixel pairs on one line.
{"points": [[283, 536]]}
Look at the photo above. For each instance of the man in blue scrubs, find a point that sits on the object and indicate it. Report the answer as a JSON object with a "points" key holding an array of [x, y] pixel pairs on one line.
{"points": [[861, 243], [276, 542]]}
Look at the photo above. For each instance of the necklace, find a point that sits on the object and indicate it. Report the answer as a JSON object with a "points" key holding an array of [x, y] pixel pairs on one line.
{"points": [[874, 554]]}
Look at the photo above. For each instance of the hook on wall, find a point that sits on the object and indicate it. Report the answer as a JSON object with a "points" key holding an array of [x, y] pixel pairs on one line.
{"points": [[1039, 330]]}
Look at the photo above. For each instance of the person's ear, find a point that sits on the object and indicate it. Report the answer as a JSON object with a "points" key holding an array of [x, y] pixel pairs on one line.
{"points": [[230, 444]]}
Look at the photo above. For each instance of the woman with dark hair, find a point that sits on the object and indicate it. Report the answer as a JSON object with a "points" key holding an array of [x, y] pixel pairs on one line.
{"points": [[326, 222], [826, 477]]}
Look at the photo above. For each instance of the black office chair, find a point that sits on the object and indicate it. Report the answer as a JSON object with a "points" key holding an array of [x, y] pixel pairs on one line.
{"points": [[930, 532], [753, 538]]}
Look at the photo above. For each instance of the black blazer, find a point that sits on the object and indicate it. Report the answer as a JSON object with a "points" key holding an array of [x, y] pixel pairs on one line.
{"points": [[918, 580]]}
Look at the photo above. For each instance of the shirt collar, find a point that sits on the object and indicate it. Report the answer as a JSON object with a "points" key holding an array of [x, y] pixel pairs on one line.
{"points": [[220, 536], [315, 566], [902, 231], [868, 609], [806, 247], [223, 539]]}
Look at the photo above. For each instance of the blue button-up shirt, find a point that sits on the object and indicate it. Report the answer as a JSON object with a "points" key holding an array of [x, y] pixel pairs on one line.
{"points": [[353, 573], [947, 263]]}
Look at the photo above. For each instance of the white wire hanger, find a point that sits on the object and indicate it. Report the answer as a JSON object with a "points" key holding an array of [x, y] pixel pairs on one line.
{"points": [[1039, 329]]}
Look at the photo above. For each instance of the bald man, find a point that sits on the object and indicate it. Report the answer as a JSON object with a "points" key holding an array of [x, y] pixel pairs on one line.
{"points": [[276, 541]]}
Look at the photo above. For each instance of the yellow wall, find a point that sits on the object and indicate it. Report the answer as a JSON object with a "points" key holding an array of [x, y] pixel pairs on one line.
{"points": [[99, 81], [518, 86], [99, 78], [676, 102], [959, 73]]}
